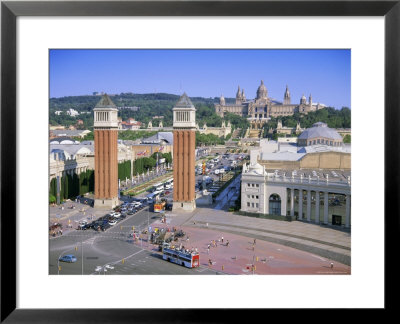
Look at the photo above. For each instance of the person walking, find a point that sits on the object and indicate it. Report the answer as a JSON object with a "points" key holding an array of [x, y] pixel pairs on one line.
{"points": [[222, 239], [331, 265], [227, 242], [254, 243]]}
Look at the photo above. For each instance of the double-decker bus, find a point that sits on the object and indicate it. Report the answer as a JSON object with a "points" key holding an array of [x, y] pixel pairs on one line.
{"points": [[187, 259]]}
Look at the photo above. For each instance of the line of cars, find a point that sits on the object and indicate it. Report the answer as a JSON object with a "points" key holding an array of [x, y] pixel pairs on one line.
{"points": [[105, 222]]}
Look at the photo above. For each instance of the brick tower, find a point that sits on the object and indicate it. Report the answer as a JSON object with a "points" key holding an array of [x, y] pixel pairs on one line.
{"points": [[106, 153], [184, 126]]}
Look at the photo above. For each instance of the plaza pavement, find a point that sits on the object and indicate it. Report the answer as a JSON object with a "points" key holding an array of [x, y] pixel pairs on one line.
{"points": [[69, 218], [323, 241], [281, 247]]}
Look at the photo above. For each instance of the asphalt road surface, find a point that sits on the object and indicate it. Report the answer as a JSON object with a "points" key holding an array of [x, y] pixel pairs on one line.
{"points": [[113, 251]]}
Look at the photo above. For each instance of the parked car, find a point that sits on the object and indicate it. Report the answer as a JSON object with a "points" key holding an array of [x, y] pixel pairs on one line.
{"points": [[104, 227], [112, 222], [68, 258], [82, 225]]}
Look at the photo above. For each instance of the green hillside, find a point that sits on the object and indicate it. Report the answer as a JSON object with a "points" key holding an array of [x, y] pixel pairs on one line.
{"points": [[152, 104], [161, 104]]}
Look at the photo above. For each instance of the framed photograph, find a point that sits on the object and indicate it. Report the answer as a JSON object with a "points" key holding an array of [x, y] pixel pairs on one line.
{"points": [[96, 172]]}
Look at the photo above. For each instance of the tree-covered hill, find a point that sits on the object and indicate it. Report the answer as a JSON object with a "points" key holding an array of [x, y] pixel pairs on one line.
{"points": [[151, 105], [161, 104]]}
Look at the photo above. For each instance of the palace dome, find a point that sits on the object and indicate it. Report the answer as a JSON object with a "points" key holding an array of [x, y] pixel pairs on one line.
{"points": [[262, 91]]}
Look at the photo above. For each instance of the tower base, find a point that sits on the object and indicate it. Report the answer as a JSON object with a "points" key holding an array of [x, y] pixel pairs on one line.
{"points": [[106, 203], [188, 206]]}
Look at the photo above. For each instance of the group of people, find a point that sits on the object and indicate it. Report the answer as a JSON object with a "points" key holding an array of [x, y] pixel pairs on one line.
{"points": [[214, 243]]}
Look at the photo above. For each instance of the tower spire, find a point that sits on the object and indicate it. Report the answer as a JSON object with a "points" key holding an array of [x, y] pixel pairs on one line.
{"points": [[286, 96]]}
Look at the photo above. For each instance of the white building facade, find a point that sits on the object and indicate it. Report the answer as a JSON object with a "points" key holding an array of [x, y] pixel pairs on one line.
{"points": [[316, 198]]}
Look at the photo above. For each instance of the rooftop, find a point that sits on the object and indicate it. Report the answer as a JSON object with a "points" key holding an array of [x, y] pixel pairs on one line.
{"points": [[105, 102], [167, 137], [184, 102], [320, 130]]}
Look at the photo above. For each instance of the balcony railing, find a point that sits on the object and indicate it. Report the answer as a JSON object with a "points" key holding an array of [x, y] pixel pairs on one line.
{"points": [[311, 180]]}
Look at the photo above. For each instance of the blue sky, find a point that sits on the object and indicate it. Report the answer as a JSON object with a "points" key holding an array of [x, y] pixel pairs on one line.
{"points": [[206, 73]]}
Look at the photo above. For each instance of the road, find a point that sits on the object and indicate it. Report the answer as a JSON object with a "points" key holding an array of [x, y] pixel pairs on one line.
{"points": [[114, 248]]}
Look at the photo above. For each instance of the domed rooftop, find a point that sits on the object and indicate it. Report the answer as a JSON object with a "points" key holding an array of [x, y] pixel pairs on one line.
{"points": [[261, 91], [320, 129]]}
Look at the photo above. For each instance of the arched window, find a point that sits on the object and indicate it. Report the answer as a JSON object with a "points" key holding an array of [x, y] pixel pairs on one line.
{"points": [[274, 204]]}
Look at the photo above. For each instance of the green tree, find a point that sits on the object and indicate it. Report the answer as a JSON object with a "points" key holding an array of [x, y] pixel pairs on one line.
{"points": [[53, 187], [52, 199], [62, 181], [91, 180], [347, 138]]}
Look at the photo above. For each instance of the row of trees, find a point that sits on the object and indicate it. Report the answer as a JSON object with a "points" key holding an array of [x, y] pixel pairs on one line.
{"points": [[332, 117], [208, 139], [72, 185], [124, 170], [141, 165]]}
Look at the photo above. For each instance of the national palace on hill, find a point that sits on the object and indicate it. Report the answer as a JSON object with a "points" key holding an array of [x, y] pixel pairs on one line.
{"points": [[259, 110]]}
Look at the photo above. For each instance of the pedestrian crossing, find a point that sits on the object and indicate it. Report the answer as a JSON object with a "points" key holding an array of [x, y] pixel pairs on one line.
{"points": [[90, 241]]}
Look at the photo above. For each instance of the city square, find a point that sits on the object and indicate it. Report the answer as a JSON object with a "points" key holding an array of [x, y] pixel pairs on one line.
{"points": [[262, 199]]}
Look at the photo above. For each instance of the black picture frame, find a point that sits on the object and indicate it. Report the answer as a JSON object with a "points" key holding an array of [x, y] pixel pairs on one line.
{"points": [[10, 10]]}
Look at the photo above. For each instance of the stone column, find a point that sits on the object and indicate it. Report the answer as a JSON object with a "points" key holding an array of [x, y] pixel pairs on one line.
{"points": [[348, 201], [300, 204], [317, 207], [326, 204], [292, 202], [309, 205]]}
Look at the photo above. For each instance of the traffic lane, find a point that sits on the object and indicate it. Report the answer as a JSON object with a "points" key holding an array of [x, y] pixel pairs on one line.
{"points": [[103, 247], [97, 251], [73, 242], [151, 263], [121, 253], [139, 220]]}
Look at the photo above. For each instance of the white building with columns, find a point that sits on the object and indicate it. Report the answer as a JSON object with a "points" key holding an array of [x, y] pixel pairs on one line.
{"points": [[316, 196]]}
